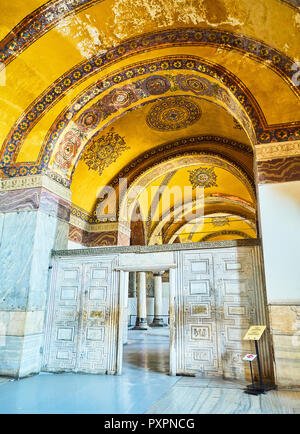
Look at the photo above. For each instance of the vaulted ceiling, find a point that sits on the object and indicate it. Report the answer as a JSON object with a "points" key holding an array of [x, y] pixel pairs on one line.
{"points": [[96, 90]]}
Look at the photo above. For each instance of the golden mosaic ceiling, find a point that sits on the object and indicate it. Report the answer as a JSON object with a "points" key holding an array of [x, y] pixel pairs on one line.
{"points": [[164, 75]]}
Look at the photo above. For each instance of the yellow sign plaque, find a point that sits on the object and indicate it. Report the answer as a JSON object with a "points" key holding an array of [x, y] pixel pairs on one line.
{"points": [[254, 333]]}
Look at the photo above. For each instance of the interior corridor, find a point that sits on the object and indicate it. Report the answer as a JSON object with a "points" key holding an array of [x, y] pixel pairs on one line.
{"points": [[147, 350]]}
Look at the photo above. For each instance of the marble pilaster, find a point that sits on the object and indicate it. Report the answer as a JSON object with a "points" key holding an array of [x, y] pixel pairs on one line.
{"points": [[33, 221]]}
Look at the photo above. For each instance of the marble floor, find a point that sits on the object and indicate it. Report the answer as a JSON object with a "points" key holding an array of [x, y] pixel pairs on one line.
{"points": [[144, 387]]}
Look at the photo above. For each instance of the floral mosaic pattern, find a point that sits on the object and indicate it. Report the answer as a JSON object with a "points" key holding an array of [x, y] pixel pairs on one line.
{"points": [[203, 177], [104, 150], [173, 113]]}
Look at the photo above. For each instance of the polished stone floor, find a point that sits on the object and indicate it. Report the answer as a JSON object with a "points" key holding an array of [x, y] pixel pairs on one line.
{"points": [[144, 387], [144, 381]]}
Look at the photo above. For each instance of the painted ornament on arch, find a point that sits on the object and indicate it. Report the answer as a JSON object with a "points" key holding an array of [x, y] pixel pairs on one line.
{"points": [[119, 98], [103, 150], [67, 151], [203, 177], [156, 85], [90, 119], [173, 113]]}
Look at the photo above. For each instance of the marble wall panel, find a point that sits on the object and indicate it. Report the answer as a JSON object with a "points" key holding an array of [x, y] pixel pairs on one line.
{"points": [[21, 323], [16, 252], [285, 331], [10, 356], [20, 200], [31, 355]]}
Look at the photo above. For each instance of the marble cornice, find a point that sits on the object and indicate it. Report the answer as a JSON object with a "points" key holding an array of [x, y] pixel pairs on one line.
{"points": [[35, 181], [157, 248], [272, 151]]}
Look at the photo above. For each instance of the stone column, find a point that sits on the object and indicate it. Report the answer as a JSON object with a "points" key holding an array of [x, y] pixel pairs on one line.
{"points": [[34, 219], [158, 320], [141, 320], [132, 284]]}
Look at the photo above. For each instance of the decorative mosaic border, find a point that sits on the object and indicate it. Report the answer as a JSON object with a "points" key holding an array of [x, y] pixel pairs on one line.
{"points": [[168, 63], [226, 232], [36, 24], [158, 248], [257, 50], [43, 19], [277, 150], [292, 3]]}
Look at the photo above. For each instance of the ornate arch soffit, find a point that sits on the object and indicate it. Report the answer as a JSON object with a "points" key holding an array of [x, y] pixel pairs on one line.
{"points": [[228, 232], [169, 239], [193, 145], [257, 50], [236, 98], [147, 177], [166, 223], [44, 18]]}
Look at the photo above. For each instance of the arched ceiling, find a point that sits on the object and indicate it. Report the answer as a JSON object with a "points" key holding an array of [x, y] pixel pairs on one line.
{"points": [[141, 139], [58, 49], [216, 227], [95, 90]]}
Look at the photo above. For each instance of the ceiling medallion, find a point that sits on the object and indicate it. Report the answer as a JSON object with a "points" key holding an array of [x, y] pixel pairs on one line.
{"points": [[203, 177], [173, 113], [102, 151]]}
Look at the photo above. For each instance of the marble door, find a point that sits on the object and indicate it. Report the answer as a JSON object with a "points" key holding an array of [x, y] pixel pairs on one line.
{"points": [[220, 295], [81, 322], [201, 351], [236, 309]]}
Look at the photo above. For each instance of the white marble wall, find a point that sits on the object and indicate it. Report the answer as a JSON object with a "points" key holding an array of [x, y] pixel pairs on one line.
{"points": [[27, 239], [279, 206]]}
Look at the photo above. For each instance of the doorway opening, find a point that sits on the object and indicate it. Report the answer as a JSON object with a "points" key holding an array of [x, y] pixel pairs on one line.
{"points": [[146, 339]]}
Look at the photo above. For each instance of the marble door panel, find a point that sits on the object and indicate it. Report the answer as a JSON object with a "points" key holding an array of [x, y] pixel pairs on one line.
{"points": [[81, 325], [94, 318], [61, 338], [200, 325], [236, 308]]}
